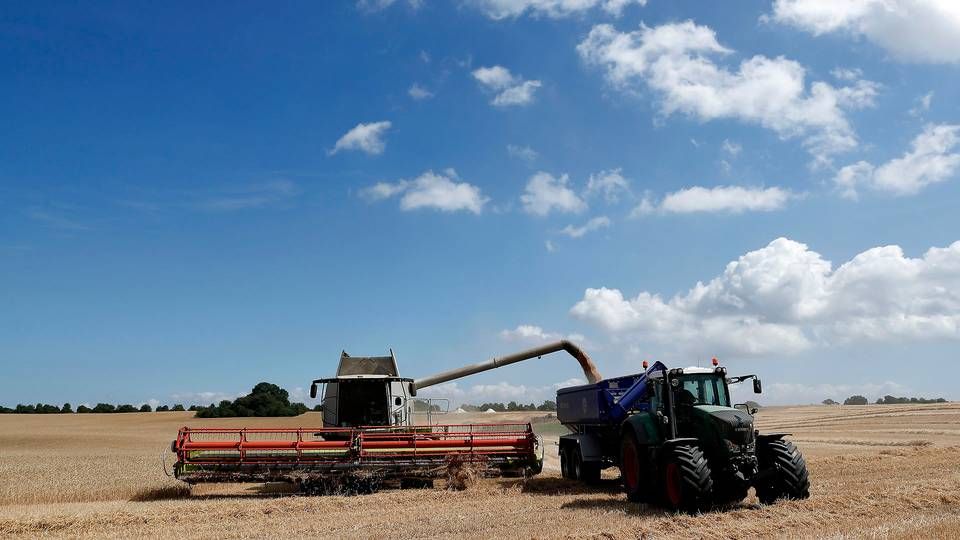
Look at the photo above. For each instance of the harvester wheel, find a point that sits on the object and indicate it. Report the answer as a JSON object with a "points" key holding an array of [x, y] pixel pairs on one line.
{"points": [[634, 468], [790, 479], [686, 481]]}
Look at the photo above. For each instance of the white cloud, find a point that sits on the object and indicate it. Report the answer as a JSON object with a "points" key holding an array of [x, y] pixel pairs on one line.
{"points": [[261, 195], [780, 393], [911, 30], [549, 246], [847, 74], [730, 199], [932, 159], [522, 152], [594, 224], [923, 105], [371, 6], [364, 137], [510, 89], [733, 149], [443, 191], [533, 333], [498, 392], [610, 183], [545, 193], [503, 9], [785, 298], [419, 93], [676, 62]]}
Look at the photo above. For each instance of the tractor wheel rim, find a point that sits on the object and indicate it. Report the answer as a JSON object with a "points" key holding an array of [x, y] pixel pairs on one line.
{"points": [[631, 467], [673, 484]]}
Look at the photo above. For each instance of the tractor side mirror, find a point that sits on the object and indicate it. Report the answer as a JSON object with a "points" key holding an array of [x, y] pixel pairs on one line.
{"points": [[757, 387], [313, 391]]}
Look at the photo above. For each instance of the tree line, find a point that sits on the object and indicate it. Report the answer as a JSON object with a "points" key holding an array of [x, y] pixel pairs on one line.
{"points": [[547, 405], [45, 408], [885, 400]]}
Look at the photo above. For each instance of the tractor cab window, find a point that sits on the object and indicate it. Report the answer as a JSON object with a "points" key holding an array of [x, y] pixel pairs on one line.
{"points": [[703, 390]]}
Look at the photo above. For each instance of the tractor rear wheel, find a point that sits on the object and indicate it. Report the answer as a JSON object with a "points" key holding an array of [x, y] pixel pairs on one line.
{"points": [[686, 481], [789, 479], [634, 468]]}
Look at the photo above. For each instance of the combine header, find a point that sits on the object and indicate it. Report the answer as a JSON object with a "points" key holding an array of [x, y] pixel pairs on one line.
{"points": [[368, 436]]}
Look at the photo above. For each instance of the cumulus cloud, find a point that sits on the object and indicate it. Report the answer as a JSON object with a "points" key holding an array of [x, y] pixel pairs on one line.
{"points": [[728, 199], [594, 224], [611, 184], [545, 193], [789, 393], [418, 92], [912, 30], [364, 137], [731, 148], [785, 298], [503, 9], [931, 159], [677, 61], [442, 191], [509, 89]]}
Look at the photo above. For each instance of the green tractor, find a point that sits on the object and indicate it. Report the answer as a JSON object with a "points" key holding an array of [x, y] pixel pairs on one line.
{"points": [[677, 440]]}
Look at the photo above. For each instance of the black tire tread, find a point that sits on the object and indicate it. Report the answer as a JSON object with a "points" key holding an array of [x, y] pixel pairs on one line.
{"points": [[697, 486], [792, 481]]}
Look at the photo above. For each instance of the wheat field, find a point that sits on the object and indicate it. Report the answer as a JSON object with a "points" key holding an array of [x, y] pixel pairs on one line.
{"points": [[877, 471]]}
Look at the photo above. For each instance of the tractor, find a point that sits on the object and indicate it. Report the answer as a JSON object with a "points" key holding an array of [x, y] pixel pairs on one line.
{"points": [[677, 440]]}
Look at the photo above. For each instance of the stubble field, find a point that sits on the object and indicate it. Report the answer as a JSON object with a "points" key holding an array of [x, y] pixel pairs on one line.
{"points": [[877, 471]]}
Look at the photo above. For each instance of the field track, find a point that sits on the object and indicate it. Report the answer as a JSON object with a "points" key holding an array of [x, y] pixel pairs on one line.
{"points": [[877, 471]]}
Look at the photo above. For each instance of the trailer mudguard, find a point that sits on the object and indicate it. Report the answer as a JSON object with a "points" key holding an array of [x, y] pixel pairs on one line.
{"points": [[589, 445], [644, 427]]}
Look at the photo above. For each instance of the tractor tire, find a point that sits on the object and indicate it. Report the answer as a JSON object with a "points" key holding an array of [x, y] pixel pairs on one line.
{"points": [[634, 469], [687, 484], [790, 479]]}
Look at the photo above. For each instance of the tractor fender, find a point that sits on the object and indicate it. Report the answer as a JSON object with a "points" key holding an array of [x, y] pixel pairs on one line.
{"points": [[766, 437], [644, 428], [589, 445]]}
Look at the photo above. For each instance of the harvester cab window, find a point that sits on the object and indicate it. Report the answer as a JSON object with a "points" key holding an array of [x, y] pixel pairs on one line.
{"points": [[364, 403]]}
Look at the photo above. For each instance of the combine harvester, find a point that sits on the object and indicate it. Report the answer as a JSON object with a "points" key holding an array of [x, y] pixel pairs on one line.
{"points": [[676, 439], [368, 436]]}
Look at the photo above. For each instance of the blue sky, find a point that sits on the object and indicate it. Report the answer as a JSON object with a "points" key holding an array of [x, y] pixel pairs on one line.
{"points": [[194, 198]]}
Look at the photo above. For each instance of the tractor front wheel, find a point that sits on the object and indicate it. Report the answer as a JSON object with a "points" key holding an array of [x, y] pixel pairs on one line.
{"points": [[787, 476], [686, 481]]}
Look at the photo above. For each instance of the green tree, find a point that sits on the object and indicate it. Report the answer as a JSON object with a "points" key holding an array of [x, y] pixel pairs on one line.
{"points": [[146, 408], [67, 409], [855, 400]]}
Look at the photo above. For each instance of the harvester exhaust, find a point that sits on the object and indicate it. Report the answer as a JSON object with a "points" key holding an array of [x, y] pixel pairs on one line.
{"points": [[589, 369]]}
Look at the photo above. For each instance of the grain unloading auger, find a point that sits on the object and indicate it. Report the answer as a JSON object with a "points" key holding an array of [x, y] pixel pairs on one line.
{"points": [[368, 432]]}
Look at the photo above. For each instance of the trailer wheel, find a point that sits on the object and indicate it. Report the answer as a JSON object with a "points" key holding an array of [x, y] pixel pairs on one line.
{"points": [[576, 465], [687, 485], [632, 467], [565, 463], [790, 479]]}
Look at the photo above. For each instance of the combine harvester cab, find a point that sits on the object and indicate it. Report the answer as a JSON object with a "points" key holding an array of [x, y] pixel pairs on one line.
{"points": [[368, 437]]}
